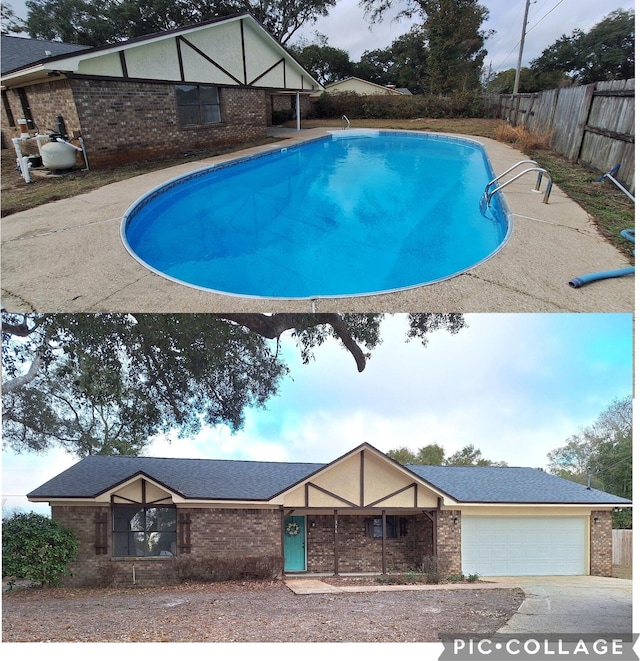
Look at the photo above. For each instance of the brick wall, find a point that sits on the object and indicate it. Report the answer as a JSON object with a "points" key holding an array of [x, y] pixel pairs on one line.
{"points": [[284, 107], [87, 568], [358, 552], [124, 122], [47, 101], [450, 539], [601, 543], [223, 533], [234, 532]]}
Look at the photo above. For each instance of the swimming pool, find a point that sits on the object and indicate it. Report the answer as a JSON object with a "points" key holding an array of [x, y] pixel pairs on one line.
{"points": [[355, 213]]}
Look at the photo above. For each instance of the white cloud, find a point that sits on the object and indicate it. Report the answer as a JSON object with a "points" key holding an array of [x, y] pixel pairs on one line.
{"points": [[514, 386], [348, 29]]}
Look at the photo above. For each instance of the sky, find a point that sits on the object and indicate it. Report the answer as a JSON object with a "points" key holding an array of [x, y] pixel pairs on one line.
{"points": [[548, 20], [516, 386]]}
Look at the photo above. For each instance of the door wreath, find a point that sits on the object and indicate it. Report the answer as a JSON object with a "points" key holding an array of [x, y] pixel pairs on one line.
{"points": [[292, 529]]}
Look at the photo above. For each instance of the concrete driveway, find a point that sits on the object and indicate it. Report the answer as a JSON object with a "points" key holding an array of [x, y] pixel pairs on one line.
{"points": [[570, 604]]}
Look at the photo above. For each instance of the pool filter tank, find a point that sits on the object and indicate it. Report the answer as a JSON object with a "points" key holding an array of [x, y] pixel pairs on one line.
{"points": [[58, 154]]}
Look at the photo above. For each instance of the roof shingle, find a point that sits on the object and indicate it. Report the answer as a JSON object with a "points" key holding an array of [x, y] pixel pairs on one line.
{"points": [[214, 479]]}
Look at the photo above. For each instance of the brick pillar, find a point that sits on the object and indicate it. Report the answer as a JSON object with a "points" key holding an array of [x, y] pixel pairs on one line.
{"points": [[449, 548], [601, 543]]}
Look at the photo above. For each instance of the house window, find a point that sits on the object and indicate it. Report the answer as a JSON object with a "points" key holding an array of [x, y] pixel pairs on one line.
{"points": [[198, 105], [144, 531], [396, 527]]}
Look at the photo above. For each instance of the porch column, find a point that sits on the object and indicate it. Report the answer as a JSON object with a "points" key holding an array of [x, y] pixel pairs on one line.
{"points": [[282, 539], [384, 541], [336, 566], [298, 111]]}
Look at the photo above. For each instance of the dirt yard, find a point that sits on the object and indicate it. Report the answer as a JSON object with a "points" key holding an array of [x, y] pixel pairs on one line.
{"points": [[250, 612]]}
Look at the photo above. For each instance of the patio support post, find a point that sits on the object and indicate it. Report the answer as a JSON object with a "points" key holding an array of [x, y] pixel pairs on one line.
{"points": [[282, 538], [335, 543], [384, 541], [433, 517], [298, 111]]}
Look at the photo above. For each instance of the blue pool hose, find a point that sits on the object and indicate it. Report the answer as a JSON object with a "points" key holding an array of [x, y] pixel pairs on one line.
{"points": [[630, 235]]}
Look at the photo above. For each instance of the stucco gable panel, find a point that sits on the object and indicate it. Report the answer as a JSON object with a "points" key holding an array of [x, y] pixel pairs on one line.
{"points": [[222, 44], [361, 479], [141, 490], [104, 65], [197, 69], [157, 61]]}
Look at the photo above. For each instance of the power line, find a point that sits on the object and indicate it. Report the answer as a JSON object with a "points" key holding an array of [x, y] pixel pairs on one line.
{"points": [[528, 30], [545, 16]]}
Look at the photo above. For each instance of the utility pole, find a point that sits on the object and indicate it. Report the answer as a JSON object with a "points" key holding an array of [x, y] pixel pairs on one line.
{"points": [[524, 32]]}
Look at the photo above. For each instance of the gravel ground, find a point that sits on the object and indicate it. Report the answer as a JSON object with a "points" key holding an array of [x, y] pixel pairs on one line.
{"points": [[250, 612]]}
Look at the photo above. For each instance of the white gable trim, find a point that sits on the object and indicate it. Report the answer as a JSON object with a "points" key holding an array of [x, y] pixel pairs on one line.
{"points": [[241, 52]]}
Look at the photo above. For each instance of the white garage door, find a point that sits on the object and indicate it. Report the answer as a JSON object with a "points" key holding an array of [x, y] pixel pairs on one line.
{"points": [[510, 546]]}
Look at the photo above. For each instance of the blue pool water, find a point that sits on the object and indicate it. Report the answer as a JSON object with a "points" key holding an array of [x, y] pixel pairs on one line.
{"points": [[355, 213]]}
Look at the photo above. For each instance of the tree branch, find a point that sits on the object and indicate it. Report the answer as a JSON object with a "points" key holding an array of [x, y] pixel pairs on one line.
{"points": [[20, 381], [272, 326]]}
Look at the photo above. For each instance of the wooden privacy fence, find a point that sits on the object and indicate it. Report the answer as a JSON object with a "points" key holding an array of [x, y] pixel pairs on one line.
{"points": [[622, 547], [593, 125]]}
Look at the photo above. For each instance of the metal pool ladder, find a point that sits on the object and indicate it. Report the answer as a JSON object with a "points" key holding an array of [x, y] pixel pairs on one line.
{"points": [[488, 194], [345, 122]]}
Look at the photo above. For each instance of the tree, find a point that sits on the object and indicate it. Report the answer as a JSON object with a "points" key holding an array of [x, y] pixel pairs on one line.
{"points": [[470, 456], [454, 39], [10, 22], [601, 455], [434, 455], [36, 548], [530, 81], [327, 64], [429, 455], [106, 384], [606, 52], [376, 66], [283, 18], [95, 23], [403, 64]]}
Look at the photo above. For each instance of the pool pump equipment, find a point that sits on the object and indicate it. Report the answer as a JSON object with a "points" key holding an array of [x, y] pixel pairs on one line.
{"points": [[56, 153]]}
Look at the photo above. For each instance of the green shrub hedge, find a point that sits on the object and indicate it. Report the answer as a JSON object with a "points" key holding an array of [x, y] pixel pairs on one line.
{"points": [[381, 106]]}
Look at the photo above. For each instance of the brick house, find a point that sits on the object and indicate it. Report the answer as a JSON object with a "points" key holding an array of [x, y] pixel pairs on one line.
{"points": [[195, 88], [139, 516]]}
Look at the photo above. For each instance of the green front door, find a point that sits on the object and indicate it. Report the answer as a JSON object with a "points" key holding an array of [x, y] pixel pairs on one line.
{"points": [[294, 544]]}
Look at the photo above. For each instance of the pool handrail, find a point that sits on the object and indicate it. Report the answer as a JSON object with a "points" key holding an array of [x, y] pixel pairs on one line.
{"points": [[541, 171], [513, 167]]}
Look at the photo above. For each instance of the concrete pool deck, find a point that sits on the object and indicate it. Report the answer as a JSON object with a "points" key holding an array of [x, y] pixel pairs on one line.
{"points": [[67, 256]]}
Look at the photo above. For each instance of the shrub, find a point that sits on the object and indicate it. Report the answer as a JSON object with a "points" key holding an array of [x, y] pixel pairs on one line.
{"points": [[436, 569], [357, 106], [36, 548], [212, 570], [521, 137]]}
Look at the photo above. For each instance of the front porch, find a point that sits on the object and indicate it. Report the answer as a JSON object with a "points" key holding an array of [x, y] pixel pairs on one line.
{"points": [[368, 542]]}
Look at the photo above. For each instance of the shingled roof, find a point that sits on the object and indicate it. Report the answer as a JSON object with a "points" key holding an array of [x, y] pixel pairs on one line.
{"points": [[18, 52], [498, 484], [211, 479], [215, 479]]}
